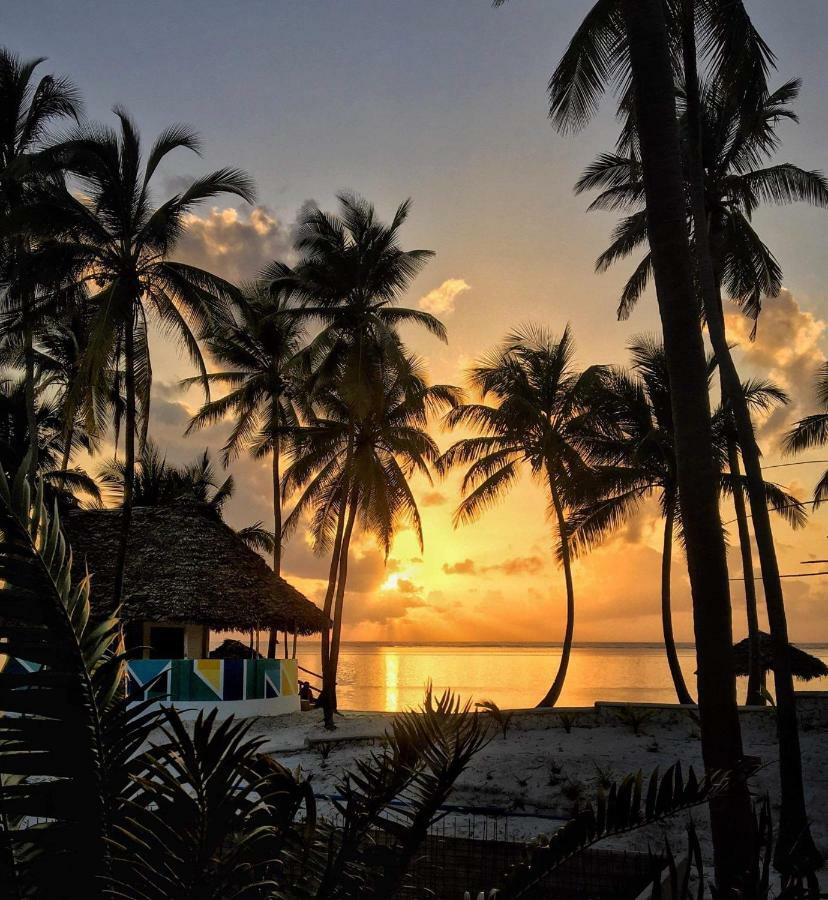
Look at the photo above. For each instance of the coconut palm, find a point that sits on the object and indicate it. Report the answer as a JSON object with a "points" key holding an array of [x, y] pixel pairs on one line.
{"points": [[352, 462], [109, 235], [539, 406], [257, 350], [29, 109], [635, 459], [735, 149], [350, 275], [627, 43], [62, 485], [161, 483]]}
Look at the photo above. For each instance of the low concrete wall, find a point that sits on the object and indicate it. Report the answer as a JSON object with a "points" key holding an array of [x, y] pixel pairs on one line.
{"points": [[241, 709]]}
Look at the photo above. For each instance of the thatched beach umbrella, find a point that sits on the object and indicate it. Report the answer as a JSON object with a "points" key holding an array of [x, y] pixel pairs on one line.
{"points": [[804, 666]]}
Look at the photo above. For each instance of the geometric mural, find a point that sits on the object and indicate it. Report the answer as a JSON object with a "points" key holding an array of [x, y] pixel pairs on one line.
{"points": [[211, 679]]}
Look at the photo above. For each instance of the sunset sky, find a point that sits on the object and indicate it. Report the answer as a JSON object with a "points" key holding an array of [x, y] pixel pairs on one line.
{"points": [[444, 102]]}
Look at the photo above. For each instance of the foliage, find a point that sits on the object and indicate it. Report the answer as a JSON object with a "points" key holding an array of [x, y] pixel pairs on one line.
{"points": [[625, 806], [501, 717], [634, 718], [85, 805]]}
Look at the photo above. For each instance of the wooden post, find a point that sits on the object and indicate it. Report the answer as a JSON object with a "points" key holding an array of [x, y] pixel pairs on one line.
{"points": [[286, 646], [294, 641]]}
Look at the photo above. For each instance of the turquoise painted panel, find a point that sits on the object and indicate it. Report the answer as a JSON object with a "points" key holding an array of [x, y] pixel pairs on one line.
{"points": [[211, 679]]}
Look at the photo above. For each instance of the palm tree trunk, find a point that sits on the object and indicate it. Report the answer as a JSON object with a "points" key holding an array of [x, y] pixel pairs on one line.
{"points": [[666, 610], [731, 815], [794, 832], [754, 697], [129, 460], [273, 637], [29, 392], [554, 692], [333, 659]]}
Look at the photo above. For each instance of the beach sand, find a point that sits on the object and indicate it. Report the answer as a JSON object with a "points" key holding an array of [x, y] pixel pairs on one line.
{"points": [[537, 772]]}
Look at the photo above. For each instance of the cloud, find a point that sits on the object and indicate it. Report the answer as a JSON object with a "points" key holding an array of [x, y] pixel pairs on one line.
{"points": [[234, 244], [788, 350], [381, 608], [518, 565], [464, 567], [441, 300], [433, 498]]}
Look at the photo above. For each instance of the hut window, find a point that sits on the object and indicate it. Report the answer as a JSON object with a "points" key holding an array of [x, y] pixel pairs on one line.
{"points": [[166, 642]]}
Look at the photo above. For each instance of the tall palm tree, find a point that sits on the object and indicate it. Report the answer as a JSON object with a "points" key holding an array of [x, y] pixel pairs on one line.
{"points": [[109, 235], [627, 43], [540, 404], [635, 458], [257, 348], [29, 108], [353, 462], [735, 178], [350, 276]]}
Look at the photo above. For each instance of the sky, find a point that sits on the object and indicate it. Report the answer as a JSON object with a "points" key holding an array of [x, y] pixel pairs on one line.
{"points": [[444, 102]]}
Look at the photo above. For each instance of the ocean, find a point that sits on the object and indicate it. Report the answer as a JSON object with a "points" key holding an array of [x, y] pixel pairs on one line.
{"points": [[392, 677]]}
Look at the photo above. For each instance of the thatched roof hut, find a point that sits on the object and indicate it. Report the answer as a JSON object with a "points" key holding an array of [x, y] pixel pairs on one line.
{"points": [[803, 665], [185, 566]]}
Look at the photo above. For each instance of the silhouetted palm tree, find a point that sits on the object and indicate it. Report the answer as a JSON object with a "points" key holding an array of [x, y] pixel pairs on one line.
{"points": [[111, 236], [29, 109], [734, 178], [257, 350], [161, 483], [536, 419], [353, 461], [350, 276], [61, 484], [627, 43], [635, 458]]}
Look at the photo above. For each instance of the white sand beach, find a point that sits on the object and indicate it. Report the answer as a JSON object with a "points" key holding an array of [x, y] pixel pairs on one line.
{"points": [[534, 775]]}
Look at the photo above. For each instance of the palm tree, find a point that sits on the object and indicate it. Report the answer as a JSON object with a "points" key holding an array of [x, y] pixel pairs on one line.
{"points": [[736, 145], [635, 458], [110, 236], [354, 460], [61, 484], [257, 349], [161, 483], [350, 276], [537, 419], [29, 107], [624, 42]]}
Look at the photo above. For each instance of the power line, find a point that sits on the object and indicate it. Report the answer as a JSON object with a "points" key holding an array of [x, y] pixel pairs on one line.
{"points": [[777, 508], [799, 462], [792, 575]]}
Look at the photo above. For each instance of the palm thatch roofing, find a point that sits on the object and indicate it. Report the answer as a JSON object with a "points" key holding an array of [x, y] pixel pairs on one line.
{"points": [[184, 566], [803, 665]]}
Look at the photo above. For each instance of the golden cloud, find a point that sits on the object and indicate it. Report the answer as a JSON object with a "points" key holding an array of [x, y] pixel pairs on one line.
{"points": [[442, 299]]}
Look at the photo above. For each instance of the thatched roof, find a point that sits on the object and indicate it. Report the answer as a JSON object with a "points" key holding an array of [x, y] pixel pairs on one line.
{"points": [[184, 565], [803, 665]]}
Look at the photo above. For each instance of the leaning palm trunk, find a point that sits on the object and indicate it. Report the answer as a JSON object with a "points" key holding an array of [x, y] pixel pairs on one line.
{"points": [[554, 693], [342, 579], [794, 832], [129, 461], [666, 608], [697, 474], [29, 389], [273, 637], [755, 686]]}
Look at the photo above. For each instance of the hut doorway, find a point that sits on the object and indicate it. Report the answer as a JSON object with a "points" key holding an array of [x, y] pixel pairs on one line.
{"points": [[166, 642]]}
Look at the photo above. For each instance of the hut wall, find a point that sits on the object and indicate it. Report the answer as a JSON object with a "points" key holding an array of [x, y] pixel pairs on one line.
{"points": [[240, 687]]}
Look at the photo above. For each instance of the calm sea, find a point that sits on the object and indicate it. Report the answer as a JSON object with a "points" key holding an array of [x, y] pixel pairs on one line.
{"points": [[392, 676]]}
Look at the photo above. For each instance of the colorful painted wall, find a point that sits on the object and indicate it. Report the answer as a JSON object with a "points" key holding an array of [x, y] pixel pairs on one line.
{"points": [[204, 680]]}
